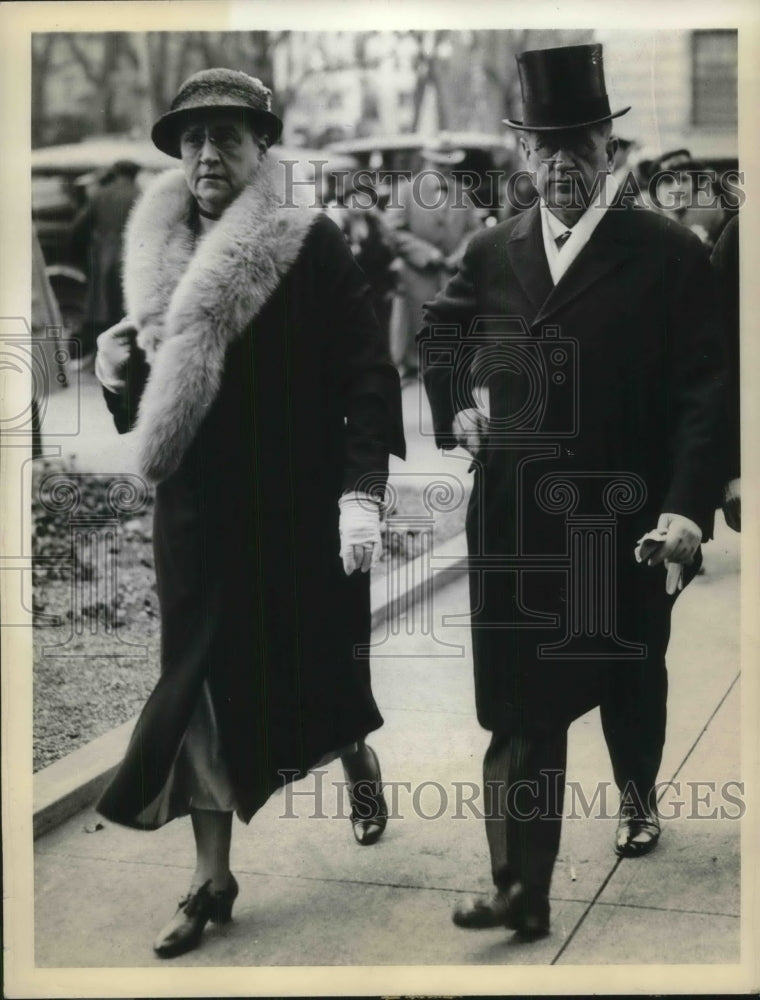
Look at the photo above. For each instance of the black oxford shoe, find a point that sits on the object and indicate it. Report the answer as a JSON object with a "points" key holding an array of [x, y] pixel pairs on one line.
{"points": [[369, 810], [637, 832], [184, 930], [520, 910]]}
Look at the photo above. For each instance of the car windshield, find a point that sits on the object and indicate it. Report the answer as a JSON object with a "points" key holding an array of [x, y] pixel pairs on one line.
{"points": [[50, 192]]}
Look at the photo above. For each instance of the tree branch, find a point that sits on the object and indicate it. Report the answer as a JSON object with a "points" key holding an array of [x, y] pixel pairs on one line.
{"points": [[95, 79]]}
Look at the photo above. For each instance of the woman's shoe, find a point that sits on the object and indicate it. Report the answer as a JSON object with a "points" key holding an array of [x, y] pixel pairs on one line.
{"points": [[369, 810], [184, 930]]}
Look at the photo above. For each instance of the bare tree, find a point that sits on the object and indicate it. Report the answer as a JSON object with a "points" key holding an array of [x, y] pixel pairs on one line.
{"points": [[43, 46], [98, 71]]}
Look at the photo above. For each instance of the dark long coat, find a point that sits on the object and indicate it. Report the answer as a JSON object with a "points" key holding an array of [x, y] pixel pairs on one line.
{"points": [[252, 591], [614, 375], [97, 233]]}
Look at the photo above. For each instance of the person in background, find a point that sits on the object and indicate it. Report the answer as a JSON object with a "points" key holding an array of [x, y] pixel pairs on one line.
{"points": [[725, 262], [360, 216], [682, 188], [430, 225], [97, 236], [265, 407]]}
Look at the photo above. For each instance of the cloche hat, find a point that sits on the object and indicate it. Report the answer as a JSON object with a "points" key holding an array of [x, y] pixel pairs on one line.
{"points": [[563, 88], [216, 88]]}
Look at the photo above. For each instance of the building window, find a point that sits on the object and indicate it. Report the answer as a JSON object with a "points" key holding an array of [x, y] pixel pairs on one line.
{"points": [[714, 79]]}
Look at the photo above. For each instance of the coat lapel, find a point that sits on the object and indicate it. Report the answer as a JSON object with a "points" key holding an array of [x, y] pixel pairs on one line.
{"points": [[604, 253], [525, 250]]}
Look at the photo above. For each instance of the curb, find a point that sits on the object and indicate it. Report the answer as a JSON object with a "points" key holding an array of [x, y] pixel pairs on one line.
{"points": [[74, 782]]}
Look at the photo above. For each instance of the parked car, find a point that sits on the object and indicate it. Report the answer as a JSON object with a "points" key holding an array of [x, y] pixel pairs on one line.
{"points": [[61, 178]]}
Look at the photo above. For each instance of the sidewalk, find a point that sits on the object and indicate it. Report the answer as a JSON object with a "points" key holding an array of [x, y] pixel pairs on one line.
{"points": [[311, 896]]}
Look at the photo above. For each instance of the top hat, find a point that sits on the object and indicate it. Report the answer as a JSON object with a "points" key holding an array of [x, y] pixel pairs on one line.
{"points": [[216, 89], [563, 88]]}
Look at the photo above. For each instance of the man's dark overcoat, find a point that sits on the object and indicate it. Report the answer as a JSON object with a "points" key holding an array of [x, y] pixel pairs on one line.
{"points": [[271, 396], [97, 236], [615, 370]]}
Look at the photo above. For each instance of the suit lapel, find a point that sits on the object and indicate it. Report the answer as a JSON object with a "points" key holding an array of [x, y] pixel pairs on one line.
{"points": [[525, 250], [604, 253]]}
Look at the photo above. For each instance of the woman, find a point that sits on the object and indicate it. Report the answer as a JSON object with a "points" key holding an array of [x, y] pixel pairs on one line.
{"points": [[266, 408]]}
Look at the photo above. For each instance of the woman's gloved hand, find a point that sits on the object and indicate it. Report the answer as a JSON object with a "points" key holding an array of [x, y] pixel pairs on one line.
{"points": [[115, 346], [360, 542]]}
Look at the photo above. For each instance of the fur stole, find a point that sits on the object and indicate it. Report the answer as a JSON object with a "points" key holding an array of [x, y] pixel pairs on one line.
{"points": [[191, 297]]}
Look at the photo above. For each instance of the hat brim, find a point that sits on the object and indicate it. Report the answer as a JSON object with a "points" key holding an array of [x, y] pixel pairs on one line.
{"points": [[165, 133], [521, 126]]}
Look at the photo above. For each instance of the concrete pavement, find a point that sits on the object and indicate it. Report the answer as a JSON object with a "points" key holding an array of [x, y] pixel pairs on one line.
{"points": [[311, 896]]}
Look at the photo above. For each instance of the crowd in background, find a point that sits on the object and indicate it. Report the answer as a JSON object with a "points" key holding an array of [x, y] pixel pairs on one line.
{"points": [[409, 239], [407, 235]]}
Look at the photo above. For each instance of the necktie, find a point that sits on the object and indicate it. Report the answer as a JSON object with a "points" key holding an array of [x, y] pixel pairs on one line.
{"points": [[562, 239]]}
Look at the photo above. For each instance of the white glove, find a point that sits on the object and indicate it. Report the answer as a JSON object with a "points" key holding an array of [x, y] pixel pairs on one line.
{"points": [[674, 542], [359, 525]]}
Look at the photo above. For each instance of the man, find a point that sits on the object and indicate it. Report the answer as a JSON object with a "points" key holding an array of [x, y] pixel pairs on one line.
{"points": [[592, 324], [97, 236], [685, 190], [429, 229]]}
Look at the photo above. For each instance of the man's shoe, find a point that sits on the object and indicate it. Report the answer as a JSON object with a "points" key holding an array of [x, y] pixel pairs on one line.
{"points": [[637, 832], [522, 911], [479, 913], [369, 810]]}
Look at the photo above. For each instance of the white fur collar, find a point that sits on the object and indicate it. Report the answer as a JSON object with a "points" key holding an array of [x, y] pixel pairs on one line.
{"points": [[190, 299]]}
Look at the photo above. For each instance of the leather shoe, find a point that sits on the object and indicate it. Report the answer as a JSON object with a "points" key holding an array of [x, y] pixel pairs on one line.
{"points": [[369, 810], [518, 909], [637, 831], [184, 930]]}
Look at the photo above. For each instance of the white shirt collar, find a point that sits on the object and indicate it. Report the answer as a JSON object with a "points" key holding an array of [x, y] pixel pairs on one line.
{"points": [[559, 260]]}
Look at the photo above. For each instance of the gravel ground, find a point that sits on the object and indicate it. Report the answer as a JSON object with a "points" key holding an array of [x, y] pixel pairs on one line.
{"points": [[83, 684], [82, 688]]}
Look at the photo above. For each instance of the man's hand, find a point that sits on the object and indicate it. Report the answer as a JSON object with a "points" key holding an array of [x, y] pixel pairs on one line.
{"points": [[470, 427], [732, 504], [681, 538], [114, 349], [360, 542]]}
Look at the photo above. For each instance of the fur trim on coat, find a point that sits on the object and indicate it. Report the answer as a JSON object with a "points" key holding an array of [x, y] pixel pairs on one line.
{"points": [[190, 298]]}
